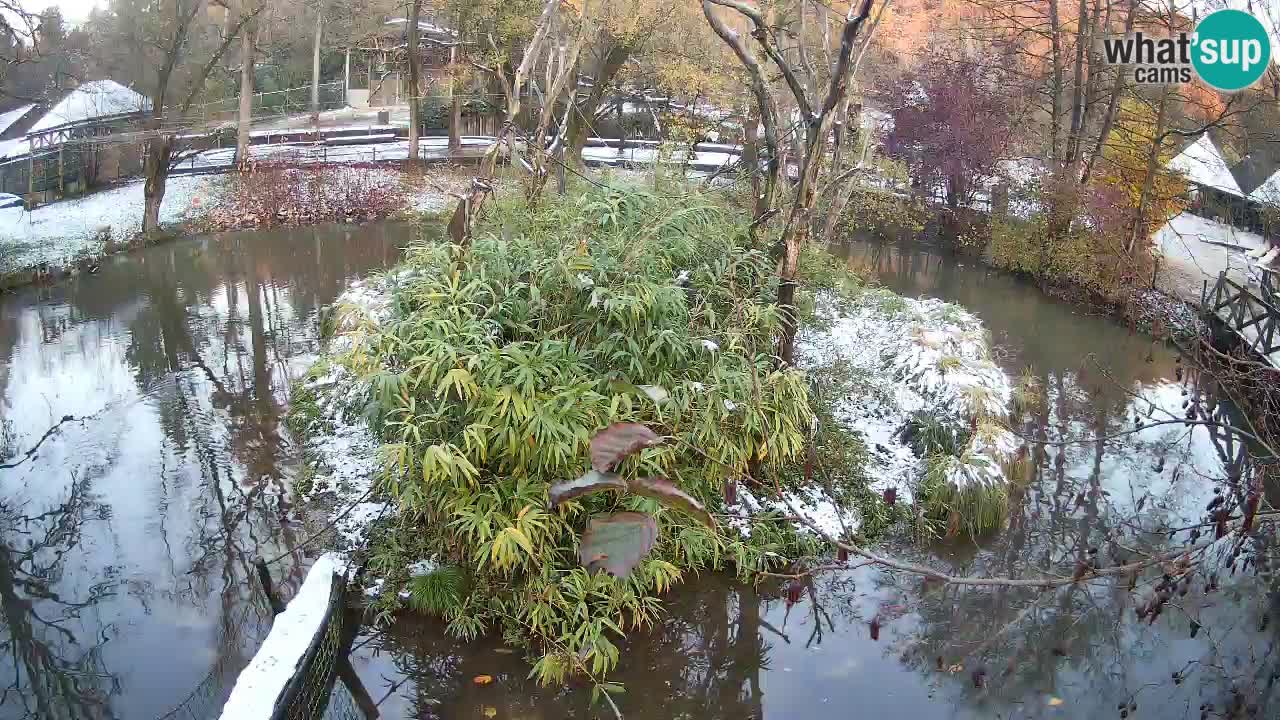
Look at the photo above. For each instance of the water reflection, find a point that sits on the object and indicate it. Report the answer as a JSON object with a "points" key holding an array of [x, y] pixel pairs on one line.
{"points": [[126, 540], [874, 644]]}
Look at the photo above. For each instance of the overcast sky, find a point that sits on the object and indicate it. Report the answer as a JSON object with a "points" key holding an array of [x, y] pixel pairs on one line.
{"points": [[73, 10]]}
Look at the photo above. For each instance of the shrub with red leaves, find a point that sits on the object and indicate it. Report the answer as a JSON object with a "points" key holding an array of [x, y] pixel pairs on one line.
{"points": [[282, 195]]}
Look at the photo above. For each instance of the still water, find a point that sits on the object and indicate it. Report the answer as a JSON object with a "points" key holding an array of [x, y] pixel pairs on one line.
{"points": [[871, 644], [127, 537]]}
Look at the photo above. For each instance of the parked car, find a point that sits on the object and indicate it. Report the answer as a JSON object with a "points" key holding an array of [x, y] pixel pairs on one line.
{"points": [[10, 201]]}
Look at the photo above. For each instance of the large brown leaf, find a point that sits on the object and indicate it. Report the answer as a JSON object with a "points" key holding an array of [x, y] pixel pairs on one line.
{"points": [[593, 481], [611, 445], [617, 543], [668, 494]]}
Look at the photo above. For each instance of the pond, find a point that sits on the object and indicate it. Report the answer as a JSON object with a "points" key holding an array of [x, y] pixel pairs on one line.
{"points": [[867, 643], [127, 538]]}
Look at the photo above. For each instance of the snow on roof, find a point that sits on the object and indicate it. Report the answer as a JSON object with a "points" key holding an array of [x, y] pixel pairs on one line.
{"points": [[1203, 165], [100, 98], [14, 148], [13, 116], [1268, 192]]}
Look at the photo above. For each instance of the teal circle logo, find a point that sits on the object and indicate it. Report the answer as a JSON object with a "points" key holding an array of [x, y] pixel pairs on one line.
{"points": [[1231, 50]]}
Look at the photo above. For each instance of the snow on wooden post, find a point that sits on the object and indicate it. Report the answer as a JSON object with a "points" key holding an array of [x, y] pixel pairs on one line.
{"points": [[270, 683], [61, 166]]}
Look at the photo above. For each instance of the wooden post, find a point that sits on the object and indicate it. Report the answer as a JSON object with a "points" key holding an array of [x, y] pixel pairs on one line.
{"points": [[264, 576], [31, 177], [346, 77], [61, 166]]}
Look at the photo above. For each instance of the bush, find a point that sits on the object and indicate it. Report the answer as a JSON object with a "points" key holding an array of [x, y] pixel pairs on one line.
{"points": [[495, 365], [278, 194]]}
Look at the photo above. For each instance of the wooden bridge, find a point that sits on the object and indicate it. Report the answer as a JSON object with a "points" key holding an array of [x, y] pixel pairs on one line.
{"points": [[1253, 314]]}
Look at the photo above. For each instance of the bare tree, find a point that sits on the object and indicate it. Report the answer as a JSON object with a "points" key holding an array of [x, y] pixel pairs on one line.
{"points": [[817, 115], [21, 42], [182, 52], [315, 65], [247, 50]]}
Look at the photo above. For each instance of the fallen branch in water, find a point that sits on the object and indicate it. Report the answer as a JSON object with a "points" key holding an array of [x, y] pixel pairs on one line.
{"points": [[1044, 582], [47, 434]]}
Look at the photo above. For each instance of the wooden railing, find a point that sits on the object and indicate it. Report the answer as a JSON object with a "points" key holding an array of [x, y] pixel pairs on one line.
{"points": [[1250, 313]]}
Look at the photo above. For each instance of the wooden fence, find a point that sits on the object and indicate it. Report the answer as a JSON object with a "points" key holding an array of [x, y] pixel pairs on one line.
{"points": [[1251, 314]]}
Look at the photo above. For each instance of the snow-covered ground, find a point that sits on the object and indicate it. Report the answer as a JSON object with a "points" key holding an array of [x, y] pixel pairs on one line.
{"points": [[60, 232], [1194, 250], [345, 456], [909, 355]]}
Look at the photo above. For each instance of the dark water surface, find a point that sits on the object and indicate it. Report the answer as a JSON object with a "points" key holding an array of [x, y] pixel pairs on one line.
{"points": [[126, 541], [871, 644]]}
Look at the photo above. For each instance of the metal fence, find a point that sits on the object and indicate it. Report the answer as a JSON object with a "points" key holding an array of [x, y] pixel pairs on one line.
{"points": [[323, 685], [281, 103], [306, 697]]}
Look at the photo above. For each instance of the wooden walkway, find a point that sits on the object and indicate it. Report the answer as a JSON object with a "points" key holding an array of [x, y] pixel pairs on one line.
{"points": [[1251, 313]]}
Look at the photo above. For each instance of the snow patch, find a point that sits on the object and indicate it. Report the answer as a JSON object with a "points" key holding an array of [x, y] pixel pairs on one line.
{"points": [[13, 116], [921, 355], [60, 232]]}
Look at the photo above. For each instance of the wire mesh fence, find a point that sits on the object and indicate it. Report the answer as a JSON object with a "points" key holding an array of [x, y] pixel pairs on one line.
{"points": [[281, 103], [306, 696]]}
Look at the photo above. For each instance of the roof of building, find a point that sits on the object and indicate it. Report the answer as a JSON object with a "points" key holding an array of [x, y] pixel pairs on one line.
{"points": [[92, 100], [1204, 165], [1268, 192], [13, 116]]}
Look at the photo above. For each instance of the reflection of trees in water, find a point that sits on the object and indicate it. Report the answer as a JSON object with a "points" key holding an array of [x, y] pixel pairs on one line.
{"points": [[210, 327], [1014, 645], [56, 674]]}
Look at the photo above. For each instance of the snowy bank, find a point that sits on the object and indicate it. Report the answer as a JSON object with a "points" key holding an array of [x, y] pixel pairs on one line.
{"points": [[342, 452], [921, 368], [59, 233]]}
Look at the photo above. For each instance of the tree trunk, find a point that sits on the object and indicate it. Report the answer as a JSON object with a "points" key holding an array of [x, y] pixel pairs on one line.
{"points": [[1149, 179], [1077, 91], [580, 117], [246, 98], [455, 104], [751, 162], [1056, 90], [156, 171], [315, 67], [414, 64], [1113, 103]]}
